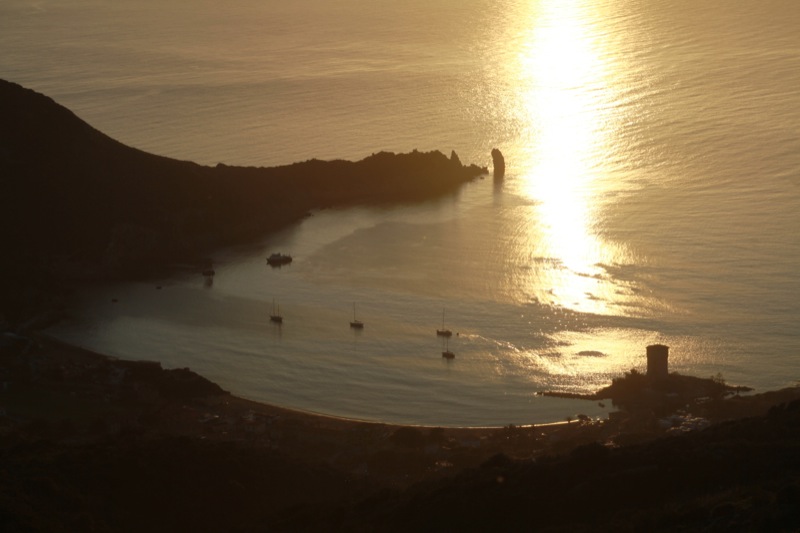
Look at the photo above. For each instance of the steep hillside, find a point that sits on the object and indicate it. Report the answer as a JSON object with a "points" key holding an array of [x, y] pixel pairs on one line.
{"points": [[76, 203]]}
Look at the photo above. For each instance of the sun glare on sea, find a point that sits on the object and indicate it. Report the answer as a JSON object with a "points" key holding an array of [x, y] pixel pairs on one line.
{"points": [[564, 92]]}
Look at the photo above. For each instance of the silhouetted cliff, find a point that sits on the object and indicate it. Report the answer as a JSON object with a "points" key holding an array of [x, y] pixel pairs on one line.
{"points": [[77, 203]]}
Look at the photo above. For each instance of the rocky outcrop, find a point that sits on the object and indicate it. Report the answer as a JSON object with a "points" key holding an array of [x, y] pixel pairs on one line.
{"points": [[499, 163]]}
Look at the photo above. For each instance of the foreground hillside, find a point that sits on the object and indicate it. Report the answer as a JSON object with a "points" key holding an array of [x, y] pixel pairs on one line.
{"points": [[79, 204], [736, 476], [90, 443]]}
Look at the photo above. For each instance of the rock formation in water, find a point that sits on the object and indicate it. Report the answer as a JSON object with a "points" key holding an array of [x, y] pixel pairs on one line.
{"points": [[499, 163]]}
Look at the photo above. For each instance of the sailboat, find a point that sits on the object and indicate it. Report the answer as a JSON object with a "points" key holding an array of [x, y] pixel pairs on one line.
{"points": [[443, 332], [356, 324], [275, 316], [447, 354]]}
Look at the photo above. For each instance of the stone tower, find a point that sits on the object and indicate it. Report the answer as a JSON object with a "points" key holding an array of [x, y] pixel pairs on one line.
{"points": [[657, 364]]}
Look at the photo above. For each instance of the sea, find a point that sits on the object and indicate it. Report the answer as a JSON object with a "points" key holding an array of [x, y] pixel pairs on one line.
{"points": [[651, 195]]}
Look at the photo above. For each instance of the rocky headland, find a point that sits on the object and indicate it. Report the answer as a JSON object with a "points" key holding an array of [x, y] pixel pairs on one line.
{"points": [[77, 204]]}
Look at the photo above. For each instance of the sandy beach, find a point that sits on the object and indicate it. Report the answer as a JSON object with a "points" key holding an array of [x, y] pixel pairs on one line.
{"points": [[74, 395]]}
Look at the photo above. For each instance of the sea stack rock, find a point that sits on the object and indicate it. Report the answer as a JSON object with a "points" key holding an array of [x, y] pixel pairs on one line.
{"points": [[499, 163]]}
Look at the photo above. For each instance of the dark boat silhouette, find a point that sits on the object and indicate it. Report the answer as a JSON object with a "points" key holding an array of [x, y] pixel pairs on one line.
{"points": [[447, 354], [278, 259], [355, 323], [444, 332], [275, 316]]}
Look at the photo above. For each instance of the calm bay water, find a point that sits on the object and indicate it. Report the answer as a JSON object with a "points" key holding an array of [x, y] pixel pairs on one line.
{"points": [[652, 192]]}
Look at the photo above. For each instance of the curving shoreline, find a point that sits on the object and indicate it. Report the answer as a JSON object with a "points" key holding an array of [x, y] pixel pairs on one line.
{"points": [[179, 447], [54, 385], [65, 368]]}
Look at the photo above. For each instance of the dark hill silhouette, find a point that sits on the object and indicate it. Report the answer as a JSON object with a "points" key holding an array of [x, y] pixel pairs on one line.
{"points": [[741, 475], [77, 203]]}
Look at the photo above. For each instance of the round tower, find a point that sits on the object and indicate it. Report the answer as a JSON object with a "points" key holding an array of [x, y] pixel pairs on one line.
{"points": [[657, 365]]}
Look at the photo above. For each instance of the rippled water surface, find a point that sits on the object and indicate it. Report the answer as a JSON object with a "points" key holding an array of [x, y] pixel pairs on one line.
{"points": [[652, 192]]}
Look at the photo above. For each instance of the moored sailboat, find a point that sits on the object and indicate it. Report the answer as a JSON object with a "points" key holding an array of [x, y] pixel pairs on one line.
{"points": [[355, 323], [447, 354], [275, 316], [444, 332]]}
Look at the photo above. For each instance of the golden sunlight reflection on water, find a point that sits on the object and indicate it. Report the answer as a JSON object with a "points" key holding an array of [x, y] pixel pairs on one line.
{"points": [[565, 89]]}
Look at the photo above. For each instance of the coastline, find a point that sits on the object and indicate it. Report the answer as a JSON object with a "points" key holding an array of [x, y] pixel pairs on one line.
{"points": [[60, 352], [100, 397], [143, 398], [176, 441]]}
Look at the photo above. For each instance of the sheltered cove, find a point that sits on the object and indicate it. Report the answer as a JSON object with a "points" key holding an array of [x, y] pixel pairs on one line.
{"points": [[91, 442]]}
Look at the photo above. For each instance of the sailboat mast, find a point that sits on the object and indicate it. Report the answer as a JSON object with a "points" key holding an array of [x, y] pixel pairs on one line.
{"points": [[355, 323], [275, 316]]}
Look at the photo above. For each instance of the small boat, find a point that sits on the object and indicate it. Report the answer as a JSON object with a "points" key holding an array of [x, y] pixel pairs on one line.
{"points": [[447, 354], [278, 259], [443, 332], [355, 323], [275, 316]]}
